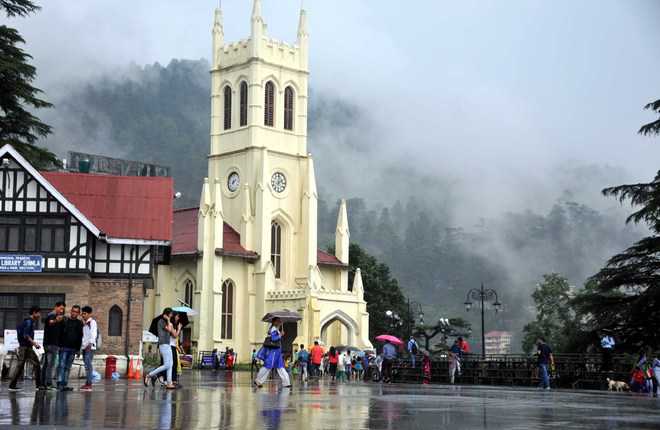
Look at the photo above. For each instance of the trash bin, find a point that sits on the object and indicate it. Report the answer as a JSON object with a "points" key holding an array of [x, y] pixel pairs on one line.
{"points": [[110, 366]]}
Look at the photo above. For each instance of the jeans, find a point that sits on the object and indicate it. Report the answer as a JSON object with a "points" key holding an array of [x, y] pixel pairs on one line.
{"points": [[454, 367], [88, 355], [412, 359], [166, 353], [66, 358], [50, 352], [544, 376], [387, 370], [25, 353], [175, 365], [316, 369]]}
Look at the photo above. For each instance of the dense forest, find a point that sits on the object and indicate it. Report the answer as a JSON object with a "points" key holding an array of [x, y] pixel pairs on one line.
{"points": [[403, 217]]}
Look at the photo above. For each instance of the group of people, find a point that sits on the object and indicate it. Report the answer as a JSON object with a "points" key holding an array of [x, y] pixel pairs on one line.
{"points": [[65, 336]]}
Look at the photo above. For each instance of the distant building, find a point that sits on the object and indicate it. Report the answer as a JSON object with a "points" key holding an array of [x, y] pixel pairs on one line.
{"points": [[498, 342]]}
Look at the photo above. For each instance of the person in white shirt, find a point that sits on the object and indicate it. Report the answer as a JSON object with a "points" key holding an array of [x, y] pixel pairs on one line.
{"points": [[90, 334], [341, 367]]}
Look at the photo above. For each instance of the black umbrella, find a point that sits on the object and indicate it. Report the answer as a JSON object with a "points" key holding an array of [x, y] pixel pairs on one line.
{"points": [[284, 315]]}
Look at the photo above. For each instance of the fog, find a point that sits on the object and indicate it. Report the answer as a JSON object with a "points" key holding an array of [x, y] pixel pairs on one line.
{"points": [[477, 107]]}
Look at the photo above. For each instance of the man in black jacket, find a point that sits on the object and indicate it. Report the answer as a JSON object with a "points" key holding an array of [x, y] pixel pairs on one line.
{"points": [[70, 341], [52, 330]]}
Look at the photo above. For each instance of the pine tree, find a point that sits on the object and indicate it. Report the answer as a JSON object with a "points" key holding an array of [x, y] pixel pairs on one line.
{"points": [[625, 294], [18, 126]]}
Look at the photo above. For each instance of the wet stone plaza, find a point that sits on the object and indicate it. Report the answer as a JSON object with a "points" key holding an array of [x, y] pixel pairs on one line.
{"points": [[228, 401]]}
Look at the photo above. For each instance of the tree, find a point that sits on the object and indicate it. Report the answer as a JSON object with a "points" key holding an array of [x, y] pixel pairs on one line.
{"points": [[556, 320], [625, 295], [18, 126], [381, 291]]}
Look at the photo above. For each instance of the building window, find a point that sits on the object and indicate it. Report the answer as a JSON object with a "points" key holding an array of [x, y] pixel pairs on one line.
{"points": [[288, 108], [227, 101], [14, 307], [227, 317], [244, 103], [269, 104], [115, 320], [32, 234], [276, 248], [188, 293]]}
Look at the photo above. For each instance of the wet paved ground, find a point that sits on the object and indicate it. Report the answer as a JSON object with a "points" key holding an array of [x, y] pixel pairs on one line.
{"points": [[227, 401]]}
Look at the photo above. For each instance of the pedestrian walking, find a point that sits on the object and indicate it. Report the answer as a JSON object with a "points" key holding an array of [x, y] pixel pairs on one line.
{"points": [[341, 367], [164, 330], [426, 368], [333, 362], [25, 351], [607, 346], [90, 336], [389, 355], [53, 324], [359, 368], [465, 346], [412, 350], [546, 360], [253, 363], [303, 363], [70, 344], [316, 358], [455, 355], [271, 355], [656, 374], [176, 327]]}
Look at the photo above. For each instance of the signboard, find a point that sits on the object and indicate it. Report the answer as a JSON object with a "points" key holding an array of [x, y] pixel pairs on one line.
{"points": [[13, 263], [11, 339], [114, 166]]}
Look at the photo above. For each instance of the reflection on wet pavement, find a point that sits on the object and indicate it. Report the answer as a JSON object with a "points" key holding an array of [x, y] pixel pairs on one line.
{"points": [[227, 401]]}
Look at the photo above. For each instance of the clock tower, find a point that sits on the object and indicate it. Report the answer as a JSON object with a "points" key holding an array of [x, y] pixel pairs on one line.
{"points": [[257, 223]]}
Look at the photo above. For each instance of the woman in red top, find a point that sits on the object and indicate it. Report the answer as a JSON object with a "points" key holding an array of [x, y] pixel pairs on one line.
{"points": [[333, 358]]}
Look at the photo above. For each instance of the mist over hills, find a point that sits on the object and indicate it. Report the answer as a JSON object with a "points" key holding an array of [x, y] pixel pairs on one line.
{"points": [[439, 237]]}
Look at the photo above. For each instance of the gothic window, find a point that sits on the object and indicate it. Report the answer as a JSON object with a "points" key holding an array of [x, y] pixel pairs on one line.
{"points": [[188, 293], [276, 248], [269, 104], [244, 103], [227, 101], [288, 108], [115, 321], [227, 316]]}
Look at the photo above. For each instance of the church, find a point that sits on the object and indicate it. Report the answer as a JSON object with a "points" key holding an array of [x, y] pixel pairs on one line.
{"points": [[251, 245]]}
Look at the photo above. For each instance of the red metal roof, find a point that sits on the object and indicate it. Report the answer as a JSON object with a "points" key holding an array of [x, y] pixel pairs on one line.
{"points": [[325, 259], [126, 207]]}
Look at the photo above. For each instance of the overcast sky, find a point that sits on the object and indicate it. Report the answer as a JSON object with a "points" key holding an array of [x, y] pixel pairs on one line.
{"points": [[497, 90]]}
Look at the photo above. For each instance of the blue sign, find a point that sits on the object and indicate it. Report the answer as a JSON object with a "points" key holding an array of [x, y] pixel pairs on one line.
{"points": [[21, 263]]}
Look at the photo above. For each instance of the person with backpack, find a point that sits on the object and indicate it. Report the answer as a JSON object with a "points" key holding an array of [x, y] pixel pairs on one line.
{"points": [[52, 331], [303, 362], [89, 345], [25, 351], [165, 331], [412, 350], [70, 343]]}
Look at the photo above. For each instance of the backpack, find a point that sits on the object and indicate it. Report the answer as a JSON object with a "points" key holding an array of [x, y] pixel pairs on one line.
{"points": [[414, 348]]}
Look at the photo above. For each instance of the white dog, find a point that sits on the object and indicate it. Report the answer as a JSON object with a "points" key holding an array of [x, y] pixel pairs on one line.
{"points": [[617, 385]]}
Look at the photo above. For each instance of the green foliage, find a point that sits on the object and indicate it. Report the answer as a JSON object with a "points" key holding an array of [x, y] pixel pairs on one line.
{"points": [[556, 319], [624, 296], [381, 291], [18, 126]]}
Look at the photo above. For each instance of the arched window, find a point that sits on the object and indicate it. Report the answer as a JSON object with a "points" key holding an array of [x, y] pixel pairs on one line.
{"points": [[227, 316], [115, 321], [227, 101], [188, 293], [269, 104], [276, 248], [244, 103], [288, 108]]}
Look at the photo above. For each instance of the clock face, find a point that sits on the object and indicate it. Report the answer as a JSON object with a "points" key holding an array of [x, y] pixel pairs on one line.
{"points": [[233, 181], [278, 182]]}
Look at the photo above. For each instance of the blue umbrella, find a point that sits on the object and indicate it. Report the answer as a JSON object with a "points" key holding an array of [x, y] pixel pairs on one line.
{"points": [[185, 309]]}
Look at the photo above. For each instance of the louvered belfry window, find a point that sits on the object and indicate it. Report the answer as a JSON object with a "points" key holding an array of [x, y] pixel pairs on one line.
{"points": [[244, 104], [227, 108], [269, 104], [288, 108]]}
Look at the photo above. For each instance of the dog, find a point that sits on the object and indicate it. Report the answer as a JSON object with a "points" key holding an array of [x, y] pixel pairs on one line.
{"points": [[616, 385]]}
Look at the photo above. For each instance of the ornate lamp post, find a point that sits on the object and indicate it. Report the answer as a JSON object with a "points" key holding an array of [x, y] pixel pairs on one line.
{"points": [[483, 295], [394, 320]]}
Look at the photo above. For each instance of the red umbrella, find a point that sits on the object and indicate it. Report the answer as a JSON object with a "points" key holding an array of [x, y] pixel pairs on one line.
{"points": [[391, 339]]}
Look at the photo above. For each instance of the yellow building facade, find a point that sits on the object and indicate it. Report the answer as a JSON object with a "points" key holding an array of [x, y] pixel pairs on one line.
{"points": [[251, 246]]}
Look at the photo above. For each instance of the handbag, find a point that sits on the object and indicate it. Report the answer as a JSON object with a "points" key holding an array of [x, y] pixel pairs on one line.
{"points": [[270, 343]]}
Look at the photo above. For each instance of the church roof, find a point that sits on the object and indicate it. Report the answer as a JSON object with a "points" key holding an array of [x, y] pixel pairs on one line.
{"points": [[127, 207], [184, 240]]}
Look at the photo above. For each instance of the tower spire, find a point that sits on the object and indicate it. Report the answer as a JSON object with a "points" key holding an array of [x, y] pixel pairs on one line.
{"points": [[218, 33], [256, 11], [302, 24]]}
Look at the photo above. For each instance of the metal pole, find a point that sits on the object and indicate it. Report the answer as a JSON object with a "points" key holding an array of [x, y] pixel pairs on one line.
{"points": [[130, 298], [483, 333]]}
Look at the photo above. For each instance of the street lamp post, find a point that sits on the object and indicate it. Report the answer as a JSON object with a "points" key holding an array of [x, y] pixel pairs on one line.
{"points": [[483, 295], [411, 319], [394, 320]]}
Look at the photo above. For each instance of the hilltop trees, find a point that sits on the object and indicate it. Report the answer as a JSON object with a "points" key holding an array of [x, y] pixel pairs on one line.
{"points": [[18, 126]]}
